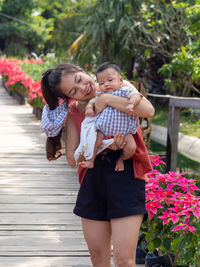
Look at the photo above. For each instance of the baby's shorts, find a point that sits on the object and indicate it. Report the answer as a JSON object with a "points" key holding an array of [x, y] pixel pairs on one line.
{"points": [[105, 193]]}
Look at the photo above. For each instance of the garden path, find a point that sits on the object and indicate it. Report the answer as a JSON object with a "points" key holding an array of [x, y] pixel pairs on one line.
{"points": [[37, 226]]}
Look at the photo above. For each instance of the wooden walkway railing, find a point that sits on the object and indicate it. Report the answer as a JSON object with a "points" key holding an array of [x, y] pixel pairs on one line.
{"points": [[175, 105]]}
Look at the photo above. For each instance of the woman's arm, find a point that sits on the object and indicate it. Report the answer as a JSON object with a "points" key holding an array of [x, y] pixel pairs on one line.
{"points": [[143, 109], [71, 141]]}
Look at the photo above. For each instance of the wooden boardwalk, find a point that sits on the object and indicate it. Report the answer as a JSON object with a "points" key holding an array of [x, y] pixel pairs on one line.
{"points": [[37, 225]]}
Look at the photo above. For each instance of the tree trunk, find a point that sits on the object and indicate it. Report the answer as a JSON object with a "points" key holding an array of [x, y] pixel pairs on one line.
{"points": [[105, 50], [130, 68]]}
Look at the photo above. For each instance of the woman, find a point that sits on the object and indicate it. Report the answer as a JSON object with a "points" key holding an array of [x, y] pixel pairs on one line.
{"points": [[108, 201]]}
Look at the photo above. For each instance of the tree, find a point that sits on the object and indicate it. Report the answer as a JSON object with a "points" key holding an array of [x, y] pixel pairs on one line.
{"points": [[21, 28], [182, 73], [68, 17], [105, 31], [149, 32]]}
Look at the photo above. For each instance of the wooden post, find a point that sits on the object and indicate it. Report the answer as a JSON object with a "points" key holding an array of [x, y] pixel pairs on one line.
{"points": [[175, 104], [172, 136]]}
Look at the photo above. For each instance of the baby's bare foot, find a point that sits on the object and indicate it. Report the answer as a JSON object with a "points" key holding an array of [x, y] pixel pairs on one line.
{"points": [[119, 165], [87, 164]]}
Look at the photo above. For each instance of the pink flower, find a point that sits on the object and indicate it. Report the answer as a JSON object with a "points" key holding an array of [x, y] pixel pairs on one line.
{"points": [[170, 198], [11, 69]]}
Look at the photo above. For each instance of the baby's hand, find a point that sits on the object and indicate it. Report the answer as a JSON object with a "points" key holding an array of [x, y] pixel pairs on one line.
{"points": [[90, 112], [118, 142], [130, 107]]}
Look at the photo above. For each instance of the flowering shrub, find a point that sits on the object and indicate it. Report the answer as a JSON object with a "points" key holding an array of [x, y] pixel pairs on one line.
{"points": [[174, 211], [17, 80]]}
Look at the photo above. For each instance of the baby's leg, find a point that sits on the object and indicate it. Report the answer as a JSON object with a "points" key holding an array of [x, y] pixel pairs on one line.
{"points": [[128, 152], [90, 163]]}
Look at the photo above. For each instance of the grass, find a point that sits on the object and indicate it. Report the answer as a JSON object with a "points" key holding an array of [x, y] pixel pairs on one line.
{"points": [[188, 124]]}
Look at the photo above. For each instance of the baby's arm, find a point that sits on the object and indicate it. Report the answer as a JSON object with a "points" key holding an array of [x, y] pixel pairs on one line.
{"points": [[133, 101], [134, 98], [144, 109]]}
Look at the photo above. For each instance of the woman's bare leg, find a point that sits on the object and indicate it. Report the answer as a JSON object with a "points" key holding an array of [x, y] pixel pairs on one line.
{"points": [[98, 237], [125, 232]]}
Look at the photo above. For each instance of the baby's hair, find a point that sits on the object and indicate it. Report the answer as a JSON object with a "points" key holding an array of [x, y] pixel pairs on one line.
{"points": [[108, 65], [50, 83]]}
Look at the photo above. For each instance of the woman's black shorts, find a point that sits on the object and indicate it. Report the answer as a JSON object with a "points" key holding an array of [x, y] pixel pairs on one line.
{"points": [[105, 193]]}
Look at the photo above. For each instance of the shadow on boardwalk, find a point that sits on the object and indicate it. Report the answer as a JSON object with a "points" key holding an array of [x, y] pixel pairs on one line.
{"points": [[37, 225]]}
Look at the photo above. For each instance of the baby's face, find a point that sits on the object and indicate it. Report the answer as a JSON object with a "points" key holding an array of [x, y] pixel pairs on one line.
{"points": [[109, 80]]}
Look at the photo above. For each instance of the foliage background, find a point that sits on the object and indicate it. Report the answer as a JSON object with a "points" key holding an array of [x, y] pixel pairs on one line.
{"points": [[157, 41]]}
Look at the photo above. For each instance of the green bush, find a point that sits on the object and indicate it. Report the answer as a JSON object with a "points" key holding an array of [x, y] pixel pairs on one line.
{"points": [[15, 50], [35, 70]]}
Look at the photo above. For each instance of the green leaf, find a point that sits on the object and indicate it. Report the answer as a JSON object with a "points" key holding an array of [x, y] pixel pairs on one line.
{"points": [[175, 243], [182, 243], [147, 236], [157, 242], [151, 246], [167, 243]]}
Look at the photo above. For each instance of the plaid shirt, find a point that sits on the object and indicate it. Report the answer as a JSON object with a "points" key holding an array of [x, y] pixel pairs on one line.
{"points": [[52, 120], [111, 121]]}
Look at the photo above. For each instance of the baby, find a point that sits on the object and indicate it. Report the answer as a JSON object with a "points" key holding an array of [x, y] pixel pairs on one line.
{"points": [[110, 121]]}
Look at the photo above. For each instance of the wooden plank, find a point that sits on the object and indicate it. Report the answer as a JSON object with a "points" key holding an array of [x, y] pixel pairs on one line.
{"points": [[38, 191], [185, 102], [50, 208], [45, 179], [44, 243], [34, 161], [38, 218], [44, 184], [38, 199], [179, 100], [65, 241], [52, 261], [37, 168], [49, 252], [50, 235], [172, 137], [27, 174], [40, 227]]}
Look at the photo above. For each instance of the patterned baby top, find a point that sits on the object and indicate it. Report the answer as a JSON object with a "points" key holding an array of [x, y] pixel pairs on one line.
{"points": [[111, 121]]}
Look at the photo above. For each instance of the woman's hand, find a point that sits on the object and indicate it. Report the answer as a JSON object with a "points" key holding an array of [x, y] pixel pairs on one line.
{"points": [[101, 103], [118, 142]]}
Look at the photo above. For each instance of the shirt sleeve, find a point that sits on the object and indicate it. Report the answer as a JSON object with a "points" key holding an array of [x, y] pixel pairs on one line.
{"points": [[131, 89], [52, 120]]}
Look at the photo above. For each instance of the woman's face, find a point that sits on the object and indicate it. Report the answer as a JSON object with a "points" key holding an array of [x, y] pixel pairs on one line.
{"points": [[78, 86]]}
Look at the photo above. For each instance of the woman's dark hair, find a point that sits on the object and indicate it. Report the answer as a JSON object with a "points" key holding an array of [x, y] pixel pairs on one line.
{"points": [[50, 83], [108, 65]]}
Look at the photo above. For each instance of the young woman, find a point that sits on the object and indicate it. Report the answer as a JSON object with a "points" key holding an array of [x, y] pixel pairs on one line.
{"points": [[109, 203]]}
